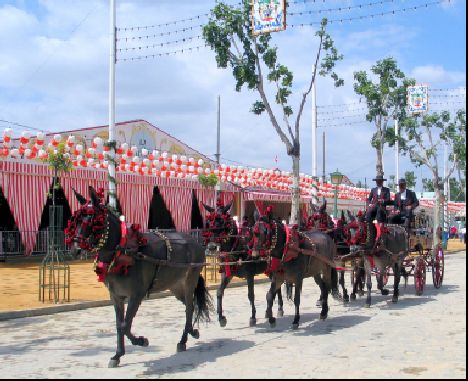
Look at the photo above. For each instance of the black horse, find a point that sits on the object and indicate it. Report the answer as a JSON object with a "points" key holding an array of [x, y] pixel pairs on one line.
{"points": [[233, 244], [314, 258], [140, 265], [389, 250]]}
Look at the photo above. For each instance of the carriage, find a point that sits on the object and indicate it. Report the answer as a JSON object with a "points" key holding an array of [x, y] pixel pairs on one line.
{"points": [[419, 257]]}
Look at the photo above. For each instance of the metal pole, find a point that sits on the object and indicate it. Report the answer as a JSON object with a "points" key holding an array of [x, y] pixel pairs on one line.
{"points": [[335, 209], [112, 62], [397, 151], [314, 142], [446, 190], [218, 133], [323, 174]]}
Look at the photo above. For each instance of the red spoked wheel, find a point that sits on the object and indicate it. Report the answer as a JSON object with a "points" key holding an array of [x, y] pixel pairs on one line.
{"points": [[420, 275], [438, 268]]}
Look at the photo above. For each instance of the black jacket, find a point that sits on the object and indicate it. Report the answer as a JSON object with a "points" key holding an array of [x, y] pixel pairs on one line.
{"points": [[384, 198], [411, 200]]}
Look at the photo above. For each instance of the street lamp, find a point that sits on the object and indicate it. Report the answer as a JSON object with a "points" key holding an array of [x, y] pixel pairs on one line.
{"points": [[336, 179]]}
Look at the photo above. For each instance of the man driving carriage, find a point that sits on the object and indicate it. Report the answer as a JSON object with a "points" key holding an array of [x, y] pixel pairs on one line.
{"points": [[405, 202], [378, 199]]}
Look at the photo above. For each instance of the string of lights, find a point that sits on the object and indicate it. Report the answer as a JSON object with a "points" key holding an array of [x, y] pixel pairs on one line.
{"points": [[190, 49], [374, 15], [128, 39], [162, 44], [23, 126], [340, 9]]}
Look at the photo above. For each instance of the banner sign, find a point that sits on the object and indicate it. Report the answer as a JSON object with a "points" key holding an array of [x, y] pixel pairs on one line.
{"points": [[418, 99], [268, 16]]}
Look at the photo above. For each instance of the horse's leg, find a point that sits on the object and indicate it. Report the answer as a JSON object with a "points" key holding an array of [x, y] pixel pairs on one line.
{"points": [[380, 283], [251, 294], [354, 279], [280, 304], [368, 272], [297, 302], [119, 307], [270, 298], [323, 295], [132, 309], [362, 278], [396, 282], [345, 290], [189, 308], [335, 288], [219, 296]]}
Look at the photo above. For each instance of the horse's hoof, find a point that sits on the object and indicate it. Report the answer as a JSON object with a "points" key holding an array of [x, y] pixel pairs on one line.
{"points": [[384, 292], [336, 295], [181, 347], [295, 326], [222, 322], [346, 299], [353, 296], [272, 322], [361, 293], [252, 322], [195, 334], [145, 342], [395, 299], [113, 363], [280, 313]]}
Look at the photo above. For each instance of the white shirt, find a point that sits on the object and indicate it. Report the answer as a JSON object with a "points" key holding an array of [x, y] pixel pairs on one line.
{"points": [[403, 195], [379, 191]]}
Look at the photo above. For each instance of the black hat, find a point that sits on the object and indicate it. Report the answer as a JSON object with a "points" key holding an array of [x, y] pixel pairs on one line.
{"points": [[379, 177], [402, 181]]}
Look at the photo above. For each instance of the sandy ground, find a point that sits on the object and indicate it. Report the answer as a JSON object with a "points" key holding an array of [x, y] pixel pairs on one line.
{"points": [[420, 337]]}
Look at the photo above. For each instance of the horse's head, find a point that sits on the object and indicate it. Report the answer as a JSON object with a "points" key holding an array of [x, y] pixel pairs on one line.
{"points": [[90, 228], [219, 224]]}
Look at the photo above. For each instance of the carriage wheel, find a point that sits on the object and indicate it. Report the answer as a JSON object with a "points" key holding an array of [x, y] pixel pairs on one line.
{"points": [[438, 268], [420, 275]]}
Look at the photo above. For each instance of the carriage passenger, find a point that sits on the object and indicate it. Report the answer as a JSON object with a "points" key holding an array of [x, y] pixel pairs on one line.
{"points": [[405, 202]]}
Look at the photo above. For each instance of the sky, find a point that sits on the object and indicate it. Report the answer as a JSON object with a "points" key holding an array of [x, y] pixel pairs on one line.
{"points": [[54, 73]]}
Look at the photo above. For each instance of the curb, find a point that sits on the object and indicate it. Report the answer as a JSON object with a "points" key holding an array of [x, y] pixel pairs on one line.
{"points": [[44, 311]]}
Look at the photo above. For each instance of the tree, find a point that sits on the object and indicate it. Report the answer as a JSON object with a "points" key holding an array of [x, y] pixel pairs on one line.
{"points": [[457, 190], [410, 178], [391, 183], [385, 100], [426, 136], [428, 184], [254, 63]]}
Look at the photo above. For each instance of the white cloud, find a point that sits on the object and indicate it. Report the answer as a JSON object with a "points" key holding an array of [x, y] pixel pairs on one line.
{"points": [[437, 74]]}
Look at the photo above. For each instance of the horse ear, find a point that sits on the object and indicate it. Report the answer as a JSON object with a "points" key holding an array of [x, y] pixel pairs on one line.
{"points": [[93, 195], [79, 197], [351, 217], [323, 207], [227, 207], [342, 216], [256, 215], [208, 208]]}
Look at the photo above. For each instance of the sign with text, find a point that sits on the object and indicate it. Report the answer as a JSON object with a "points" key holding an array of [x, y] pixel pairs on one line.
{"points": [[418, 99], [268, 16]]}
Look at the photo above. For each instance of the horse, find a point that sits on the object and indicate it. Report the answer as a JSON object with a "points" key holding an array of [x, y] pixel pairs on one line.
{"points": [[133, 265], [293, 261], [233, 244], [389, 250]]}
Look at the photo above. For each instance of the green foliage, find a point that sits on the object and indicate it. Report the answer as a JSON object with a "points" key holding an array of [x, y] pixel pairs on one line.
{"points": [[410, 178], [59, 160], [228, 33], [457, 190], [208, 181], [385, 99]]}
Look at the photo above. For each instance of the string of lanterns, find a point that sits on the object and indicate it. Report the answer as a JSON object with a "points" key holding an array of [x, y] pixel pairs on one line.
{"points": [[163, 164]]}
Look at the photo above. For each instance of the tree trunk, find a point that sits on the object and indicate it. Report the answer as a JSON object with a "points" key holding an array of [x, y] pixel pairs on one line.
{"points": [[295, 191], [436, 215], [379, 165]]}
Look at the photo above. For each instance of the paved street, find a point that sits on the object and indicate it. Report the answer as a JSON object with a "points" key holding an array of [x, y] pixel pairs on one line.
{"points": [[420, 337]]}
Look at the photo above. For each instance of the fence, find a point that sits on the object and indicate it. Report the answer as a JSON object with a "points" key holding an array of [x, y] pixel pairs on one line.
{"points": [[11, 245]]}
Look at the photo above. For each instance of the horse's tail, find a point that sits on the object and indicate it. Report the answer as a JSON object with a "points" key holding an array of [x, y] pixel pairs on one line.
{"points": [[203, 302], [289, 290]]}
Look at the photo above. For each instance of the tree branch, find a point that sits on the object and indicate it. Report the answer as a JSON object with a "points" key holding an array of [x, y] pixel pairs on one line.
{"points": [[261, 90]]}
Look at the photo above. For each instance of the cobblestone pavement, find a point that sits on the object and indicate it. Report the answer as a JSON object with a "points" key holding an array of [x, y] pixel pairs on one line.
{"points": [[420, 337]]}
